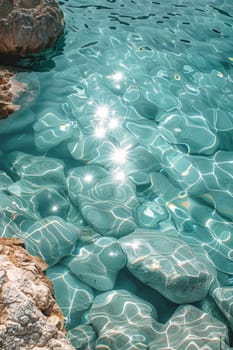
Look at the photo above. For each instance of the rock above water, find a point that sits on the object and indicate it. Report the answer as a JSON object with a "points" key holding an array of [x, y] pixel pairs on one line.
{"points": [[29, 26], [29, 316], [10, 88], [18, 90]]}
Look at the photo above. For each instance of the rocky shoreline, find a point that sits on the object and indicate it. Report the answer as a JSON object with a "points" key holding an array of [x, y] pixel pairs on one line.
{"points": [[29, 315], [29, 26], [10, 90], [26, 27]]}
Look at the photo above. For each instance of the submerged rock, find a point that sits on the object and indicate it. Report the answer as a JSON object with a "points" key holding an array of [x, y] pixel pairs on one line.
{"points": [[82, 337], [29, 26], [98, 264], [29, 316], [51, 238], [123, 321], [73, 296], [223, 296], [164, 262], [190, 328]]}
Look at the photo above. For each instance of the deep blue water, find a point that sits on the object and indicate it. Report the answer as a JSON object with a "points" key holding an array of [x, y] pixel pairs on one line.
{"points": [[119, 174]]}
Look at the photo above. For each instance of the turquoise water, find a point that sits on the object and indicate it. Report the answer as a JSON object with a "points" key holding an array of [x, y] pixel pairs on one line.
{"points": [[119, 174]]}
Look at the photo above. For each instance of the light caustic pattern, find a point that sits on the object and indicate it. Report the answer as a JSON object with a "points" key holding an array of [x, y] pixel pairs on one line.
{"points": [[120, 174]]}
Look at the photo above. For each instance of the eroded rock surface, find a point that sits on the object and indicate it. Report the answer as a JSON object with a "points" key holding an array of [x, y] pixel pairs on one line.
{"points": [[18, 90], [10, 88], [29, 316], [29, 26]]}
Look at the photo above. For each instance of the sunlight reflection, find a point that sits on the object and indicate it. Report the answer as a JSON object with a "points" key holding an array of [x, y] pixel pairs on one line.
{"points": [[113, 123], [64, 127], [118, 76], [119, 176], [100, 132], [88, 178], [102, 112], [54, 208], [119, 155]]}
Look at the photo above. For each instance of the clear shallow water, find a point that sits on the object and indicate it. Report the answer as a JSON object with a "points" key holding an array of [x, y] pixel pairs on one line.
{"points": [[120, 174]]}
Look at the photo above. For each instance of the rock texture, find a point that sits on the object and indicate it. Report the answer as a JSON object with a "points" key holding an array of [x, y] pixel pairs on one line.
{"points": [[29, 26], [29, 316], [167, 264], [18, 90], [10, 88]]}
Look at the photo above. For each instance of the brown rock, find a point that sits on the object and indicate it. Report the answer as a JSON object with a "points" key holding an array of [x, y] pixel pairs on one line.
{"points": [[29, 26], [10, 89], [29, 316], [18, 90]]}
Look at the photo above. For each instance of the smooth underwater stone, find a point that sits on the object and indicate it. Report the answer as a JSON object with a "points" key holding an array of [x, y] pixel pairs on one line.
{"points": [[193, 133], [43, 201], [98, 264], [5, 180], [190, 328], [163, 261], [72, 295], [82, 337], [123, 321], [223, 296], [51, 238], [140, 164], [216, 172], [160, 97], [39, 170], [196, 222], [150, 213], [8, 229], [16, 210], [52, 129], [182, 170], [84, 148], [50, 202], [210, 306], [38, 200], [105, 202], [148, 135]]}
